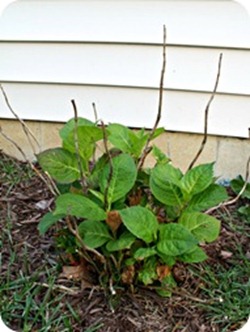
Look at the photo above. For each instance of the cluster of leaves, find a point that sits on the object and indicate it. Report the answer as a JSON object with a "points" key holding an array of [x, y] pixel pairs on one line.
{"points": [[236, 185], [132, 224]]}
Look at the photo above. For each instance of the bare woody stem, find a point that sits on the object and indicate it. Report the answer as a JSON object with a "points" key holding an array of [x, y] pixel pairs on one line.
{"points": [[234, 200], [26, 129], [161, 91], [77, 148], [105, 142], [204, 141]]}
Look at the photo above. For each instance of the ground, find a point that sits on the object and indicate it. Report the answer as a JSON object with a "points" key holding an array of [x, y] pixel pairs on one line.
{"points": [[34, 296]]}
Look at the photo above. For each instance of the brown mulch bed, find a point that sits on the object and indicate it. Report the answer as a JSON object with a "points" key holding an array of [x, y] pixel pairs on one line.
{"points": [[26, 202]]}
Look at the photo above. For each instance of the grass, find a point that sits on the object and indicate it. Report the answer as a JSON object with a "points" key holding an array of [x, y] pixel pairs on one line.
{"points": [[32, 305]]}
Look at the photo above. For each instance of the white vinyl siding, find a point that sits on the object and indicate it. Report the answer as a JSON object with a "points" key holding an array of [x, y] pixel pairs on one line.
{"points": [[110, 53]]}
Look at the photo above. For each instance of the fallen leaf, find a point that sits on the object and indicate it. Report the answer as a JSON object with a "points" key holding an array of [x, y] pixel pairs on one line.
{"points": [[163, 271], [128, 274], [113, 220]]}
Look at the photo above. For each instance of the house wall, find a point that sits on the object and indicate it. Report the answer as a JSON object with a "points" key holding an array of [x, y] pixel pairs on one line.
{"points": [[110, 53]]}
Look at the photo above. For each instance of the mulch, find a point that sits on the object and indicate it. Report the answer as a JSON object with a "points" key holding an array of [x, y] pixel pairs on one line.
{"points": [[143, 311]]}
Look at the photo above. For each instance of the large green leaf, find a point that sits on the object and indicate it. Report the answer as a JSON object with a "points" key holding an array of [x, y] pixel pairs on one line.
{"points": [[86, 136], [60, 164], [175, 240], [70, 125], [47, 221], [123, 242], [197, 179], [165, 182], [202, 226], [119, 137], [94, 233], [123, 178], [141, 222], [143, 253], [196, 255], [78, 206], [211, 196]]}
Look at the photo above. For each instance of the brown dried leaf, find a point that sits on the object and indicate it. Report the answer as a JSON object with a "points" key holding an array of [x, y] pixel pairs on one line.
{"points": [[128, 274], [135, 198], [113, 220], [163, 271]]}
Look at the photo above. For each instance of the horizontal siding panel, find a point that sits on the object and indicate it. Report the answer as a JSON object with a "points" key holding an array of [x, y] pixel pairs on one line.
{"points": [[221, 23], [125, 65], [182, 111]]}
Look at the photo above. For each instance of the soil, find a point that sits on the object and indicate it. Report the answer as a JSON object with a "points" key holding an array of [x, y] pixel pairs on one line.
{"points": [[26, 202]]}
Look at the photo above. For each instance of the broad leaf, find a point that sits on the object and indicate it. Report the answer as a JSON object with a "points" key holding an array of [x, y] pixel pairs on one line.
{"points": [[79, 206], [141, 222], [147, 275], [237, 185], [70, 125], [175, 240], [210, 197], [119, 137], [86, 136], [165, 182], [197, 179], [143, 253], [60, 164], [195, 256], [47, 221], [160, 156], [94, 233], [202, 226], [124, 242], [123, 178]]}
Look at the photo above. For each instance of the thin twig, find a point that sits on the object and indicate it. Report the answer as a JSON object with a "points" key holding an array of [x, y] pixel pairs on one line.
{"points": [[77, 148], [105, 142], [204, 141], [48, 181], [62, 288], [26, 129], [95, 112], [146, 149], [235, 199]]}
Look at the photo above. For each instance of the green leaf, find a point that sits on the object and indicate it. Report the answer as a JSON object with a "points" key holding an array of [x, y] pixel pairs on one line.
{"points": [[47, 221], [147, 275], [197, 179], [175, 239], [202, 226], [160, 156], [79, 206], [70, 125], [124, 242], [119, 137], [143, 253], [197, 255], [60, 164], [237, 184], [165, 182], [124, 174], [211, 196], [167, 284], [87, 136], [141, 222], [168, 260], [94, 233]]}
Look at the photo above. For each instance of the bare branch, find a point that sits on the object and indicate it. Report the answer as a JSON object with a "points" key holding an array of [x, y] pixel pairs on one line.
{"points": [[76, 142], [204, 141], [95, 112], [146, 149], [234, 200], [105, 142], [26, 129]]}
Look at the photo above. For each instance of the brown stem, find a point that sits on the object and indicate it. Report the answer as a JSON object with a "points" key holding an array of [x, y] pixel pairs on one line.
{"points": [[77, 148], [26, 129], [234, 200], [146, 149], [204, 141]]}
